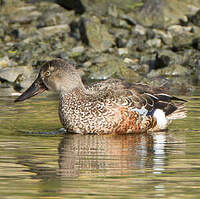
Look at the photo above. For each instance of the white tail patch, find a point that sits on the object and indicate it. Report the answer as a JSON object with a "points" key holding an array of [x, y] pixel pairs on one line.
{"points": [[161, 119]]}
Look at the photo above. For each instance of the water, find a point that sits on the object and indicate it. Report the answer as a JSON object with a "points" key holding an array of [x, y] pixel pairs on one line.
{"points": [[40, 165]]}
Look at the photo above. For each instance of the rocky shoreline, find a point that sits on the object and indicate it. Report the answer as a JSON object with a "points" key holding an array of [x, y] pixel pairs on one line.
{"points": [[150, 41]]}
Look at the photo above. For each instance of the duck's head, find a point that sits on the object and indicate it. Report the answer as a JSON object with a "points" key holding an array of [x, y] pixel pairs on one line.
{"points": [[57, 75]]}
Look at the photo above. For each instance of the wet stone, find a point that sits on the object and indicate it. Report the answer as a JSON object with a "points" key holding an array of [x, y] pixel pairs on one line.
{"points": [[181, 42], [166, 37], [78, 49], [192, 59], [11, 73], [140, 68], [196, 43], [97, 34], [54, 15], [173, 70], [163, 13], [195, 19], [24, 16], [6, 62], [52, 30], [154, 43], [122, 51], [178, 29], [166, 57], [140, 29]]}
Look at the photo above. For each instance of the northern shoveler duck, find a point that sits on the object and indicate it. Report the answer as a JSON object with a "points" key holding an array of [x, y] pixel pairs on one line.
{"points": [[111, 106]]}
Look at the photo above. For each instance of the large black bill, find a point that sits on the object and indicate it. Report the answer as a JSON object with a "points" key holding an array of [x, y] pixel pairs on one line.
{"points": [[36, 88]]}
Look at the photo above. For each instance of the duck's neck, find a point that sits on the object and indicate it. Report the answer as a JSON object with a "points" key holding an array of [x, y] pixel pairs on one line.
{"points": [[77, 86], [76, 92]]}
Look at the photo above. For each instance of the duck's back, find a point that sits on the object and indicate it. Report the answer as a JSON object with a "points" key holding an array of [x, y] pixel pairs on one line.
{"points": [[114, 106]]}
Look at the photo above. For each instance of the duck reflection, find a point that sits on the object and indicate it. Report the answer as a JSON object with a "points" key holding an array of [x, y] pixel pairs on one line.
{"points": [[90, 156], [104, 155]]}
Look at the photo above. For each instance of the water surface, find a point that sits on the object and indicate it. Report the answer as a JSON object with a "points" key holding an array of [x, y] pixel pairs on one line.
{"points": [[34, 164]]}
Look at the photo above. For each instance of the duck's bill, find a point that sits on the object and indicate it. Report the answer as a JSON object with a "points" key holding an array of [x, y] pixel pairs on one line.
{"points": [[36, 88]]}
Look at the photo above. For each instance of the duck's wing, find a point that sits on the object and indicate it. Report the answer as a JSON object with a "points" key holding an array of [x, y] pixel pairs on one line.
{"points": [[138, 97], [160, 98]]}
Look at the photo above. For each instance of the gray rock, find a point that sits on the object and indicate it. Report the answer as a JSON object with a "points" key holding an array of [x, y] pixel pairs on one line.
{"points": [[6, 62], [101, 7], [72, 5], [164, 13], [154, 43], [173, 70], [140, 29], [112, 67], [54, 15], [178, 29], [52, 30], [192, 59], [78, 53], [196, 43], [78, 49], [102, 58], [103, 67], [87, 64], [11, 73], [195, 19], [122, 51], [140, 68], [175, 85], [137, 43], [102, 71], [166, 58], [165, 36], [181, 42], [96, 34], [24, 16]]}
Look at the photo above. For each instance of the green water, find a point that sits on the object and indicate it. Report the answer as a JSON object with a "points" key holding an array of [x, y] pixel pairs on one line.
{"points": [[34, 165]]}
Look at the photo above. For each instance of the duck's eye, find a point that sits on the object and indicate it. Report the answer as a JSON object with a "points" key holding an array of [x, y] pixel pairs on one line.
{"points": [[47, 73]]}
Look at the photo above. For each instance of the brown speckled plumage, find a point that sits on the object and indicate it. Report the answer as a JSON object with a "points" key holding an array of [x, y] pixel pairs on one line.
{"points": [[111, 106]]}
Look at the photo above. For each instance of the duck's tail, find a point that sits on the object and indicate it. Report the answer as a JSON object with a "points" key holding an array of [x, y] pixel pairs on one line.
{"points": [[179, 113], [165, 114]]}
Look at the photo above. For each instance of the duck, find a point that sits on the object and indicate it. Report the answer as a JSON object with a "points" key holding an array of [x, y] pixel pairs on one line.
{"points": [[112, 106]]}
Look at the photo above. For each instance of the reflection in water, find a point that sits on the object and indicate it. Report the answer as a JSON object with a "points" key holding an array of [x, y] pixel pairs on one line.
{"points": [[159, 152], [95, 162], [115, 159], [160, 165], [109, 155], [85, 161]]}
